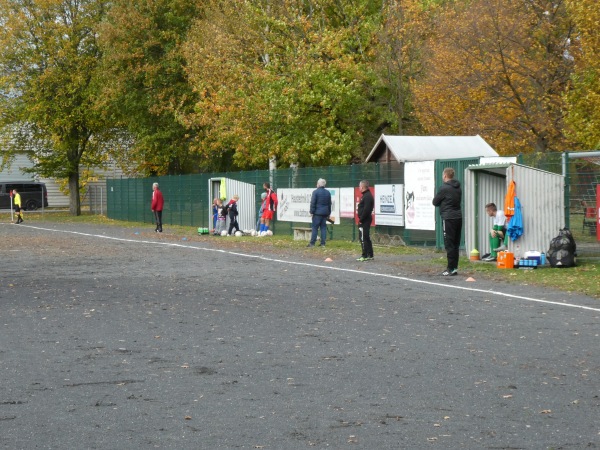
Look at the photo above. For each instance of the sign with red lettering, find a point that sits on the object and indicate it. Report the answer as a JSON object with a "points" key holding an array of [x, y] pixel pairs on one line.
{"points": [[598, 212], [357, 197]]}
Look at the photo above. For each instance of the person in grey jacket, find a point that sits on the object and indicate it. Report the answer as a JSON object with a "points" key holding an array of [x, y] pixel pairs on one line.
{"points": [[320, 210], [448, 200]]}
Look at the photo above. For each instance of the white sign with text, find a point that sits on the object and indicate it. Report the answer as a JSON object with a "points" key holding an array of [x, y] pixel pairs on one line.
{"points": [[419, 190], [294, 205], [347, 203], [389, 204]]}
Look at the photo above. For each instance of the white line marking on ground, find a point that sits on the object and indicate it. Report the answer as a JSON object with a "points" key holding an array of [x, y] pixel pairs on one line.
{"points": [[319, 266]]}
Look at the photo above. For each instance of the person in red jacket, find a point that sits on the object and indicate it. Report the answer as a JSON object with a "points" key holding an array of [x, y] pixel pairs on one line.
{"points": [[157, 207], [270, 207]]}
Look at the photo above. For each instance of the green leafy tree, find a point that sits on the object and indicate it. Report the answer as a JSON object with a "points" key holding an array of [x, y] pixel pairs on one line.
{"points": [[146, 90], [406, 26], [289, 80], [583, 116], [49, 86]]}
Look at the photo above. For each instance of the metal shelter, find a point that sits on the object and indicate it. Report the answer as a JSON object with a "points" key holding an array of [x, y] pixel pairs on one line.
{"points": [[247, 204], [541, 195]]}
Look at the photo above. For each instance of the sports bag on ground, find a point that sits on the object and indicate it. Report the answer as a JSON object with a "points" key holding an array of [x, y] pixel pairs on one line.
{"points": [[562, 251]]}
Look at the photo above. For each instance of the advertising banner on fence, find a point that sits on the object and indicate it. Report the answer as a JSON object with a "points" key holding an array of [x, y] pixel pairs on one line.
{"points": [[389, 204], [419, 190], [598, 212], [294, 205], [357, 197], [347, 205]]}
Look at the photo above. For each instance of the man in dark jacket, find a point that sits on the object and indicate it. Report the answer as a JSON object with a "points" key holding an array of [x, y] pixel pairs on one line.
{"points": [[320, 210], [448, 199], [365, 211]]}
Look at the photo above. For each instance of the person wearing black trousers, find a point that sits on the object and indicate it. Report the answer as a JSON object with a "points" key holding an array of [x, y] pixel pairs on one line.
{"points": [[233, 215], [365, 211], [157, 206], [448, 200]]}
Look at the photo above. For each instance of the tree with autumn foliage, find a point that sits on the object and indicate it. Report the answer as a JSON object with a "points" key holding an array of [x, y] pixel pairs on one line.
{"points": [[499, 68], [405, 27], [49, 84], [285, 80], [583, 101], [146, 91]]}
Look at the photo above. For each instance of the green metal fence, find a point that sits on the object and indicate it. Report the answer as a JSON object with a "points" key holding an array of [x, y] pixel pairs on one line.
{"points": [[582, 174], [459, 166], [188, 202]]}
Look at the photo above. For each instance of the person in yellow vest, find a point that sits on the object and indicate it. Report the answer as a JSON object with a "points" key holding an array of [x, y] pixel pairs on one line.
{"points": [[17, 203]]}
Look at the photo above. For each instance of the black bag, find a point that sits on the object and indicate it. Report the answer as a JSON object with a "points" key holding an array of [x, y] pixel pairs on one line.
{"points": [[562, 251]]}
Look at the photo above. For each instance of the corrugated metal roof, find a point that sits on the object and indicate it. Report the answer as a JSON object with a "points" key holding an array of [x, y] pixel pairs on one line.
{"points": [[489, 166], [430, 148]]}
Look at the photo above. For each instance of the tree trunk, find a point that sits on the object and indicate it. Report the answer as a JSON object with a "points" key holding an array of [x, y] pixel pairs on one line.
{"points": [[74, 202]]}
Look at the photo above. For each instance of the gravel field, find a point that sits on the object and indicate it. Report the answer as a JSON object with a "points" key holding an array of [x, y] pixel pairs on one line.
{"points": [[117, 340]]}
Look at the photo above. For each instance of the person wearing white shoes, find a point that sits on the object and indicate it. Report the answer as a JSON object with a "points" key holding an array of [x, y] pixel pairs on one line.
{"points": [[498, 237], [233, 215], [364, 211], [448, 199]]}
